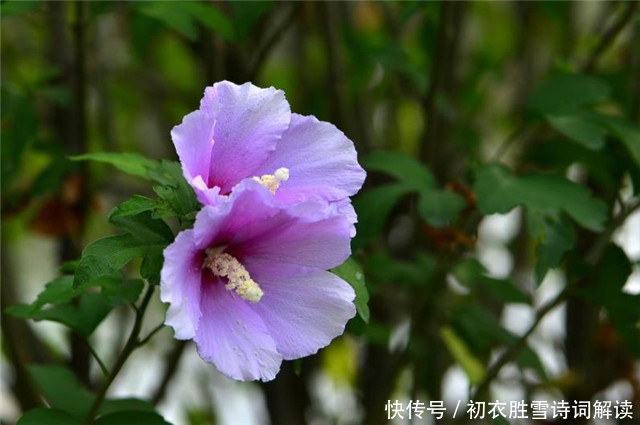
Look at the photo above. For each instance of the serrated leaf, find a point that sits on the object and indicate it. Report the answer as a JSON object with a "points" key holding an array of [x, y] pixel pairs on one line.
{"points": [[134, 206], [627, 132], [110, 254], [130, 163], [580, 127], [499, 191], [142, 226], [83, 317], [58, 291], [482, 331], [43, 415], [622, 308], [554, 237], [566, 93], [61, 389], [351, 272], [403, 167], [117, 291], [373, 207], [472, 274]]}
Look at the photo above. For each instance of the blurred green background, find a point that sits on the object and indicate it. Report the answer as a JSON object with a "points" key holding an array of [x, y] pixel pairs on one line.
{"points": [[498, 229]]}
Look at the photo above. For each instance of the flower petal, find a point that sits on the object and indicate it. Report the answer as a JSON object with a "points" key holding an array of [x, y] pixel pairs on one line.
{"points": [[304, 309], [180, 283], [249, 122], [193, 140], [258, 229], [234, 337], [321, 160]]}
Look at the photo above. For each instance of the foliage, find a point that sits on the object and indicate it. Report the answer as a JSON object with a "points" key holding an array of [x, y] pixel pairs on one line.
{"points": [[455, 127]]}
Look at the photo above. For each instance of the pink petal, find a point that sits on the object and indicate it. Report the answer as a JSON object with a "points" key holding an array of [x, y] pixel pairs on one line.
{"points": [[193, 140], [180, 283], [234, 338], [321, 160], [303, 309], [249, 123]]}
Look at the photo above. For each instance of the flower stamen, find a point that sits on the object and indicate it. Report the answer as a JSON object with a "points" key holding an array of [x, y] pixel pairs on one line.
{"points": [[273, 181], [222, 264]]}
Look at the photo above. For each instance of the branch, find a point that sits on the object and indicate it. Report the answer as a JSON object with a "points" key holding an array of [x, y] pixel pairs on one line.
{"points": [[606, 40], [130, 346], [610, 35], [593, 257], [264, 49], [515, 348]]}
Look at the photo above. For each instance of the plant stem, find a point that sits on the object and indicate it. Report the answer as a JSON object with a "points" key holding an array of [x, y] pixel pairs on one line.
{"points": [[609, 36], [593, 257], [515, 348], [95, 355], [155, 330], [131, 344]]}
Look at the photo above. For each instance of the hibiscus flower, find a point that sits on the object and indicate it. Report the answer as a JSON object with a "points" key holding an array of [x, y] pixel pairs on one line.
{"points": [[249, 283], [243, 131]]}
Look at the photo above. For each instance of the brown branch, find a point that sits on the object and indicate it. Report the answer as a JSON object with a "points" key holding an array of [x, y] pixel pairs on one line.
{"points": [[270, 41], [609, 36]]}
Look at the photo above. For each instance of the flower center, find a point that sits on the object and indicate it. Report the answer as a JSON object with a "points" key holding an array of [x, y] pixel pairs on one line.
{"points": [[272, 181], [222, 264]]}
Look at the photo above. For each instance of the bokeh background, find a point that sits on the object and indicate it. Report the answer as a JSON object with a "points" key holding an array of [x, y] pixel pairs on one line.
{"points": [[433, 95]]}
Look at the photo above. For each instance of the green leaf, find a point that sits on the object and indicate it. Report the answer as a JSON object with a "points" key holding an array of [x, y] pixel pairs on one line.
{"points": [[622, 308], [460, 352], [403, 167], [499, 191], [212, 18], [246, 15], [472, 274], [182, 17], [177, 197], [152, 265], [482, 331], [627, 132], [131, 417], [116, 291], [110, 254], [554, 236], [45, 416], [581, 127], [61, 389], [351, 272], [171, 15], [566, 93], [16, 8], [440, 207], [84, 317], [175, 193], [130, 163], [134, 206], [373, 207], [58, 291], [142, 226]]}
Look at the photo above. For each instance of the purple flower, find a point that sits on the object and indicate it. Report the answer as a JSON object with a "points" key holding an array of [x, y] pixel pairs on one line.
{"points": [[249, 283], [245, 131]]}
